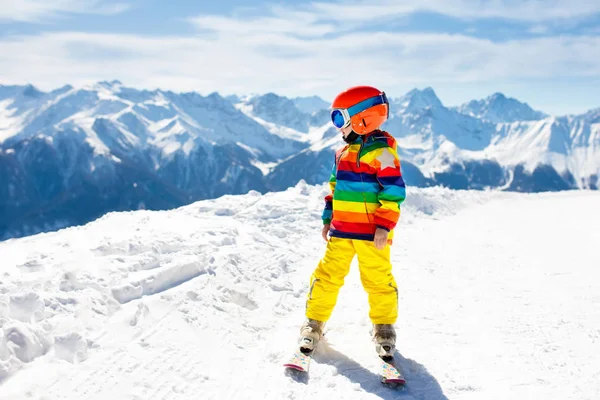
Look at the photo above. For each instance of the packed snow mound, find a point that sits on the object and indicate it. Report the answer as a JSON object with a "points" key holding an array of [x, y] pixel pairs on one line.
{"points": [[170, 304]]}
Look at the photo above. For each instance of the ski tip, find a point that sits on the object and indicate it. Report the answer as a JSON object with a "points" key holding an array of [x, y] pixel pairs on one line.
{"points": [[394, 383], [296, 373], [394, 380], [294, 366]]}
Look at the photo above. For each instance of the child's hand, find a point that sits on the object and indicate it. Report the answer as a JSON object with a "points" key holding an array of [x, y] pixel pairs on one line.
{"points": [[381, 236], [325, 231]]}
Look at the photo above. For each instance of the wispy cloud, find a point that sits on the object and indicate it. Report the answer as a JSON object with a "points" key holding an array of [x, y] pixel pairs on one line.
{"points": [[293, 22], [36, 10], [539, 29], [292, 65], [510, 19], [523, 10], [311, 49]]}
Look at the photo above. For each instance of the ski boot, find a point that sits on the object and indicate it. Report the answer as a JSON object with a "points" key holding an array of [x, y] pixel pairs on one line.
{"points": [[384, 336], [310, 334]]}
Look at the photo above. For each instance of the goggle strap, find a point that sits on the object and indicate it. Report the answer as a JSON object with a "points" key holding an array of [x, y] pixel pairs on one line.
{"points": [[367, 103]]}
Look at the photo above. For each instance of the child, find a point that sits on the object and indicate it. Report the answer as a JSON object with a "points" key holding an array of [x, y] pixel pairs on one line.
{"points": [[360, 214]]}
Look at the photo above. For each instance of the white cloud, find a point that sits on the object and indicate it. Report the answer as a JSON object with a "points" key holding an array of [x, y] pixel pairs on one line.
{"points": [[524, 10], [293, 22], [318, 18], [539, 29], [315, 49], [36, 10], [265, 61]]}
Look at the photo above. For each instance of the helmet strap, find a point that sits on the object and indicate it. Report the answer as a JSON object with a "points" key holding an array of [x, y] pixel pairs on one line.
{"points": [[352, 136]]}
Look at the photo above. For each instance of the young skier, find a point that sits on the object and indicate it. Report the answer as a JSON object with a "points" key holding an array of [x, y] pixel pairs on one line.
{"points": [[359, 216]]}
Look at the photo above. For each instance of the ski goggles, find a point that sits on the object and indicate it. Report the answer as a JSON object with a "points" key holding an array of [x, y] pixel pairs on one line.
{"points": [[341, 116]]}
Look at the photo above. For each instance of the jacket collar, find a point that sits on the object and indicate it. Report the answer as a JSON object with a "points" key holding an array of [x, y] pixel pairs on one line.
{"points": [[365, 138]]}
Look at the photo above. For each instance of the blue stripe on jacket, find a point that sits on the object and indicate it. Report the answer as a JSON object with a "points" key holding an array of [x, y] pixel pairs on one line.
{"points": [[392, 180], [355, 177], [347, 186]]}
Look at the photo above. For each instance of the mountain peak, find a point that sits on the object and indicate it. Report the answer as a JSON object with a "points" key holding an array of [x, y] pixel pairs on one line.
{"points": [[112, 86], [271, 100], [114, 82], [497, 97], [593, 116], [270, 96], [64, 88], [280, 110], [32, 91], [427, 92], [214, 95], [310, 105], [498, 108], [417, 100], [233, 98], [218, 100]]}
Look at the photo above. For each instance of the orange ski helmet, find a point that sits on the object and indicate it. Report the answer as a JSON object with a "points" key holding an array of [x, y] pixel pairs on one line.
{"points": [[365, 107]]}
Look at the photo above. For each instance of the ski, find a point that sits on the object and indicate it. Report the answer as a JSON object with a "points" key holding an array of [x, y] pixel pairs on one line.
{"points": [[298, 365], [299, 362], [390, 374]]}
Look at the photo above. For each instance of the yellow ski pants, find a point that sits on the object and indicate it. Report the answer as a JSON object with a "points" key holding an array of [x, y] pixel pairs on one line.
{"points": [[375, 274]]}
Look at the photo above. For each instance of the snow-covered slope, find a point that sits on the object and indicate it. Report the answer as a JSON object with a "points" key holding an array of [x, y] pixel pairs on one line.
{"points": [[571, 145], [205, 302], [278, 110], [166, 120], [300, 119]]}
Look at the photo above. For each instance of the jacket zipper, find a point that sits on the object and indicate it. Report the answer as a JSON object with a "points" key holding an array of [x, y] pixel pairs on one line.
{"points": [[362, 142]]}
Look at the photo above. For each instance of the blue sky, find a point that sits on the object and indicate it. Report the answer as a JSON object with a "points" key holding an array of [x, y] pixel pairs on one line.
{"points": [[546, 53]]}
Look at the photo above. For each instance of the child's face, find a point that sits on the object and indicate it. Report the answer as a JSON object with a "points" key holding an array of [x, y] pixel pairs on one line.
{"points": [[346, 131]]}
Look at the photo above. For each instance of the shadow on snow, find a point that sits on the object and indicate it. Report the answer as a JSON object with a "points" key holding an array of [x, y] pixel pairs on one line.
{"points": [[420, 384]]}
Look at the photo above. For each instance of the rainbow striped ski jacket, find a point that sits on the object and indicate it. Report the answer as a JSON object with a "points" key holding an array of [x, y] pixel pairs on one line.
{"points": [[366, 188]]}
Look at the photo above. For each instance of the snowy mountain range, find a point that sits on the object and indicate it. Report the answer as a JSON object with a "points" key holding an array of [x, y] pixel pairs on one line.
{"points": [[70, 155]]}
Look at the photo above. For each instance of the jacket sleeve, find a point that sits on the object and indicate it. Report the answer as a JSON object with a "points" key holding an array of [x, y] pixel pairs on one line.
{"points": [[393, 189], [328, 210]]}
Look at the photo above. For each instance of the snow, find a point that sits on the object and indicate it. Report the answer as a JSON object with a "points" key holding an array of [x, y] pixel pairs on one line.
{"points": [[566, 145], [265, 168], [498, 300], [281, 131], [273, 128], [163, 120], [10, 124]]}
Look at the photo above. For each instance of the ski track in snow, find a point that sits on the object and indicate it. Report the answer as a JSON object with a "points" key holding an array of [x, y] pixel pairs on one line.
{"points": [[497, 301]]}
